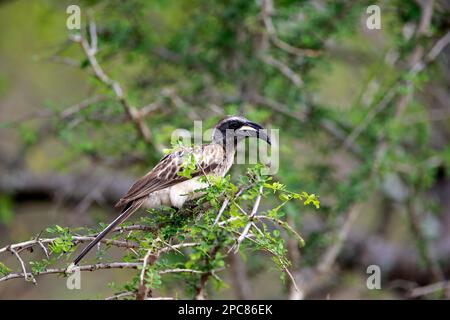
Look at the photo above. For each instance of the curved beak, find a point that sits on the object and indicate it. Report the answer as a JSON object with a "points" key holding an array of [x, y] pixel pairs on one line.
{"points": [[252, 129]]}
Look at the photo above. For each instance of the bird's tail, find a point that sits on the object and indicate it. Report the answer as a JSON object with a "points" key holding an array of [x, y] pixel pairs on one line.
{"points": [[127, 211]]}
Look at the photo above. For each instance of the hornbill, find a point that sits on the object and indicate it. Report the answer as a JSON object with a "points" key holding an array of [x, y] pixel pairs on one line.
{"points": [[164, 186]]}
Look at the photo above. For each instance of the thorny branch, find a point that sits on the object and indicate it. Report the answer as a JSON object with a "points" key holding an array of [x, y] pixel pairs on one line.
{"points": [[16, 248], [158, 248], [250, 218], [94, 267]]}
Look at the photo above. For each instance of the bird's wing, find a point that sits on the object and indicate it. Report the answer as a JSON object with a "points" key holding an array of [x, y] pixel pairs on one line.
{"points": [[167, 172], [164, 175]]}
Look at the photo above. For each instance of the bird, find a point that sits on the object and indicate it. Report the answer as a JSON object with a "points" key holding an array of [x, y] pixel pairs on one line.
{"points": [[165, 186]]}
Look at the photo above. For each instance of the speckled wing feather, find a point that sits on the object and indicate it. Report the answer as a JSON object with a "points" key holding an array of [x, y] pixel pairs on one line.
{"points": [[166, 173]]}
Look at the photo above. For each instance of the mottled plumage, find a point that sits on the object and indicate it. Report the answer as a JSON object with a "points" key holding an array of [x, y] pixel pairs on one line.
{"points": [[164, 186]]}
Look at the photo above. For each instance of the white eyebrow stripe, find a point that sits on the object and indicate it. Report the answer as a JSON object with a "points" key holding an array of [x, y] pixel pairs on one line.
{"points": [[247, 128]]}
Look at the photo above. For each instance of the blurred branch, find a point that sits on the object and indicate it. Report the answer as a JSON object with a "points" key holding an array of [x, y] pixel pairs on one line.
{"points": [[277, 106], [328, 126], [62, 115], [416, 65], [329, 257], [430, 289], [267, 10], [314, 277], [80, 106], [239, 279], [397, 260], [422, 241], [73, 187], [200, 289], [294, 257], [438, 47], [284, 69], [90, 51], [356, 132], [426, 15]]}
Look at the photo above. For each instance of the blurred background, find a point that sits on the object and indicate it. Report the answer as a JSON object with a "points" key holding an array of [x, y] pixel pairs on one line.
{"points": [[363, 117]]}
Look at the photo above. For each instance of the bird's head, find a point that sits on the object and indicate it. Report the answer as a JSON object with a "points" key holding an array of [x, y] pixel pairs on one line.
{"points": [[234, 129]]}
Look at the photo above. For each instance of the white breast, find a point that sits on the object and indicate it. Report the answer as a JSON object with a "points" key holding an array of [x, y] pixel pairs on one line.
{"points": [[176, 195]]}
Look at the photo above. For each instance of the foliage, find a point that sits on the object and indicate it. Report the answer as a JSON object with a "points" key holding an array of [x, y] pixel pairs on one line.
{"points": [[212, 241], [356, 120]]}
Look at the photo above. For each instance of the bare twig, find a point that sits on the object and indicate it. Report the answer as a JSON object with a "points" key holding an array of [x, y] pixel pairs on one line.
{"points": [[180, 270], [90, 51], [249, 224], [225, 204], [143, 290], [27, 276], [75, 240], [120, 295], [80, 106], [179, 246], [43, 248], [91, 267], [294, 283], [222, 209]]}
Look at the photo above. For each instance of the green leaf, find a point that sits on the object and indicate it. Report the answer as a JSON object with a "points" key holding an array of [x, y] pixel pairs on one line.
{"points": [[6, 212], [27, 134], [4, 270]]}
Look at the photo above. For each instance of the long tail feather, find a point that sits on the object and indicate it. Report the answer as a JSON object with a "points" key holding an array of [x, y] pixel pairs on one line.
{"points": [[126, 212]]}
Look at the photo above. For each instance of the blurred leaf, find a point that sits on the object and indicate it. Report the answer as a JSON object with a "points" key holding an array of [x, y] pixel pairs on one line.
{"points": [[6, 212]]}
